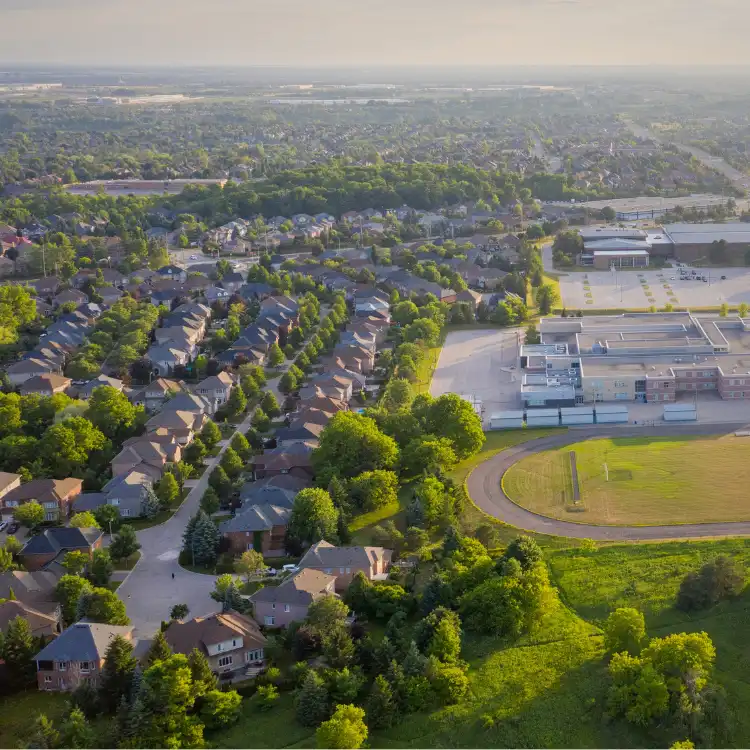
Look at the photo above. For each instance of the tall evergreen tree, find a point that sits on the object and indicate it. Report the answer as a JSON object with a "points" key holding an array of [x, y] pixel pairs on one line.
{"points": [[18, 651], [203, 678], [380, 707], [117, 673], [159, 649], [312, 703], [205, 541]]}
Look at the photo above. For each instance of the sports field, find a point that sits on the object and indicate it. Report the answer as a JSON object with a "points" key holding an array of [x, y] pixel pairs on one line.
{"points": [[638, 481]]}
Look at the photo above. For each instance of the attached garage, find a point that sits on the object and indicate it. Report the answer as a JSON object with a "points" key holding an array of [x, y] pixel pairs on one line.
{"points": [[506, 420], [680, 412], [543, 418], [611, 414], [577, 415]]}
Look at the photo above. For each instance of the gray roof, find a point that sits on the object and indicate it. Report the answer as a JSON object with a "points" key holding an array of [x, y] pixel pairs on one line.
{"points": [[257, 518], [84, 641], [326, 555], [690, 234], [302, 588], [89, 501], [58, 538], [255, 493]]}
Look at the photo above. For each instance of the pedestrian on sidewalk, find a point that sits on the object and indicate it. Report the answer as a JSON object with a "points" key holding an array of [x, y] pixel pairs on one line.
{"points": [[173, 576]]}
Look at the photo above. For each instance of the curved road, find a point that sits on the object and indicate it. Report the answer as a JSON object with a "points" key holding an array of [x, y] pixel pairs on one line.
{"points": [[485, 490]]}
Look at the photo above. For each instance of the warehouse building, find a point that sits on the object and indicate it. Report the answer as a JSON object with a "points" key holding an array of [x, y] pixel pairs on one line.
{"points": [[647, 357], [696, 243]]}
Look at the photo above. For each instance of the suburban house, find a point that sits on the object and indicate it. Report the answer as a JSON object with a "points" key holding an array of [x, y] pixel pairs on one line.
{"points": [[295, 460], [25, 369], [182, 424], [165, 357], [299, 432], [232, 281], [76, 655], [261, 522], [173, 273], [232, 642], [8, 482], [69, 295], [278, 606], [130, 493], [53, 544], [152, 396], [42, 624], [148, 457], [215, 389], [46, 385], [216, 294], [35, 591], [54, 495], [84, 392], [186, 401], [346, 562]]}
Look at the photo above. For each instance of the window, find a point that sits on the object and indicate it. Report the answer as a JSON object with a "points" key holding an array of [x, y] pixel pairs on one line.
{"points": [[666, 385], [621, 396], [62, 666], [269, 620], [287, 608], [86, 666], [273, 605], [619, 383], [11, 503], [225, 661], [341, 571], [47, 679], [115, 501], [234, 642], [348, 570], [328, 570]]}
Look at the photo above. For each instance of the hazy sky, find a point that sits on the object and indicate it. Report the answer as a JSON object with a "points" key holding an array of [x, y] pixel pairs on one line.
{"points": [[392, 32]]}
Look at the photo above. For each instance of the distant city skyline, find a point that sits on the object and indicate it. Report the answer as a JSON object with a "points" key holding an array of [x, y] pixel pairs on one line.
{"points": [[391, 32]]}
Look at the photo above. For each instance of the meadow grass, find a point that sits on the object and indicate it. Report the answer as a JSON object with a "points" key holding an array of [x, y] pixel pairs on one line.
{"points": [[651, 481]]}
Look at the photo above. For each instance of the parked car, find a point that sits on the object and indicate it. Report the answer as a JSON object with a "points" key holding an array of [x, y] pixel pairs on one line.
{"points": [[13, 528], [3, 524], [723, 278]]}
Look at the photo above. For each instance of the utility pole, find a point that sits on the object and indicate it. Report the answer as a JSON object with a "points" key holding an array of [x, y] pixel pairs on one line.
{"points": [[44, 261]]}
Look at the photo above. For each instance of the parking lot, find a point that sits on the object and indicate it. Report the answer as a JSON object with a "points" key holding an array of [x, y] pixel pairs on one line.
{"points": [[481, 363], [601, 290]]}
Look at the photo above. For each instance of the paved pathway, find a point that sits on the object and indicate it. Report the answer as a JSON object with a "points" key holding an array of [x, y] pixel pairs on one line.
{"points": [[158, 582], [485, 490]]}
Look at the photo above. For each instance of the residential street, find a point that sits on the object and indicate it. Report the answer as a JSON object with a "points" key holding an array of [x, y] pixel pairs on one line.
{"points": [[157, 581]]}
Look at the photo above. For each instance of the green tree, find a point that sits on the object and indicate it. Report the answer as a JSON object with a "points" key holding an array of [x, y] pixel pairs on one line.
{"points": [[423, 329], [449, 682], [405, 312], [101, 567], [428, 455], [311, 702], [179, 612], [313, 517], [743, 308], [288, 383], [237, 402], [398, 394], [111, 412], [249, 564], [69, 590], [167, 490], [210, 502], [625, 630], [241, 446], [204, 546], [717, 580], [220, 708], [219, 482], [380, 705], [525, 550], [345, 729], [124, 544], [44, 736], [210, 435], [270, 405], [232, 463], [167, 698], [84, 520], [350, 445], [108, 518], [31, 514], [261, 421], [75, 731], [445, 644], [159, 650], [250, 387], [195, 452], [374, 489], [102, 605], [275, 355], [19, 649], [117, 673], [453, 418], [327, 614], [204, 680]]}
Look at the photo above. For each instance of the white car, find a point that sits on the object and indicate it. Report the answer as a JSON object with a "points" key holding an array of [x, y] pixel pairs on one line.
{"points": [[193, 257], [673, 278], [3, 524], [290, 568]]}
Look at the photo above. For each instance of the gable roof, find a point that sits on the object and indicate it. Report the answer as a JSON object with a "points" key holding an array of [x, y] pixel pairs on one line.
{"points": [[45, 490], [326, 555], [83, 641], [302, 588], [58, 538], [202, 632], [39, 621]]}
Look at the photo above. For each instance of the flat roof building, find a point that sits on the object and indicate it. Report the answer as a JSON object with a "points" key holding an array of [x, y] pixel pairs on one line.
{"points": [[644, 357]]}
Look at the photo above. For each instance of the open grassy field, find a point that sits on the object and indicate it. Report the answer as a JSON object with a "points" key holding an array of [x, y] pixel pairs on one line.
{"points": [[651, 481]]}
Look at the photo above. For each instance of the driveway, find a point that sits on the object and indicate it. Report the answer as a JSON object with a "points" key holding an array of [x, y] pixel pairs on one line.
{"points": [[158, 581], [484, 488]]}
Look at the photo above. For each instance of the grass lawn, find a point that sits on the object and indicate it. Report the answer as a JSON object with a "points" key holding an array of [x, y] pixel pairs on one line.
{"points": [[647, 576], [651, 481], [129, 562], [426, 367], [362, 526], [20, 711]]}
